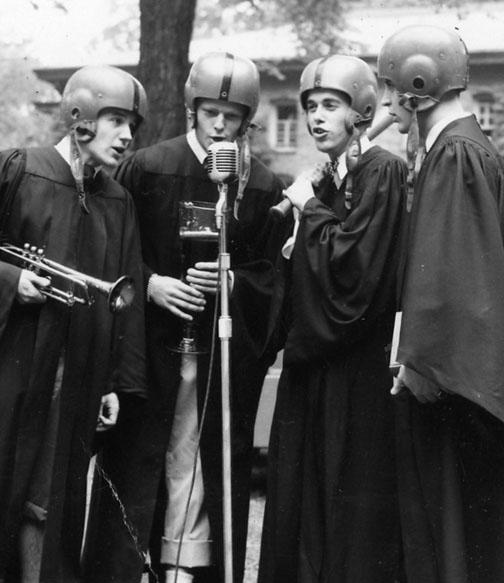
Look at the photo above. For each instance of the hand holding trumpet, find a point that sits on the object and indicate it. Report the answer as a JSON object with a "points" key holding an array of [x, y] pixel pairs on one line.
{"points": [[29, 285], [32, 285]]}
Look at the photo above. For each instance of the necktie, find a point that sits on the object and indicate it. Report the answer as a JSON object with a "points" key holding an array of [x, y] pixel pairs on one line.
{"points": [[415, 154], [331, 169]]}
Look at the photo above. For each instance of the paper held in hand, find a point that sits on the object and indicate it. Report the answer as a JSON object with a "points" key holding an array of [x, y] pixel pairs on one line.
{"points": [[393, 364]]}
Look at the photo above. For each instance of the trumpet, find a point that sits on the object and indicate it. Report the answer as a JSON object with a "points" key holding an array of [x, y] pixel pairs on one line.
{"points": [[119, 294]]}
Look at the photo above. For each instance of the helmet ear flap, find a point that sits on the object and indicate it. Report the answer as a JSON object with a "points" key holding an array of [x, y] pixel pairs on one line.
{"points": [[244, 127], [84, 130], [352, 118]]}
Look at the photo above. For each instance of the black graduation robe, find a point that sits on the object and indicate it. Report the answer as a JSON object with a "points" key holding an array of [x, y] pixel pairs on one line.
{"points": [[451, 454], [101, 352], [331, 508], [159, 177]]}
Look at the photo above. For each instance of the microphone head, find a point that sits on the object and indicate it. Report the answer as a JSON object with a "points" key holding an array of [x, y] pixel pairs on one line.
{"points": [[222, 162]]}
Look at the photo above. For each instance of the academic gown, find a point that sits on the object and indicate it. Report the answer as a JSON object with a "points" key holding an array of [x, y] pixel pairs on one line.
{"points": [[331, 508], [103, 244], [451, 454], [160, 177]]}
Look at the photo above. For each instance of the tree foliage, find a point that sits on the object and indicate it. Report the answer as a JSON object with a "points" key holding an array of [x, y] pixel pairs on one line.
{"points": [[21, 122], [317, 23], [124, 33]]}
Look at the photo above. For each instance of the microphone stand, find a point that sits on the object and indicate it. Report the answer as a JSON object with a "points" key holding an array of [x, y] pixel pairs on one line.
{"points": [[225, 334]]}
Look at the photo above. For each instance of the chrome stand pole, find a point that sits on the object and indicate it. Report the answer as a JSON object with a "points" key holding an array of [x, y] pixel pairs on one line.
{"points": [[225, 334]]}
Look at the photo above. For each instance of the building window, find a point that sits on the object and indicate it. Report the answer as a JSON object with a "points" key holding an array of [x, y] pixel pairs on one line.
{"points": [[286, 126], [485, 112]]}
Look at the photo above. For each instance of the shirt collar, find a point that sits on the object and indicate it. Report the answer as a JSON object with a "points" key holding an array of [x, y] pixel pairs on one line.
{"points": [[63, 149], [195, 146], [437, 128]]}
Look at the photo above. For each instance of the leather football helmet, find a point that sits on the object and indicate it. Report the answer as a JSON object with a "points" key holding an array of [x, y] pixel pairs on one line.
{"points": [[220, 75], [92, 89], [424, 62], [346, 74]]}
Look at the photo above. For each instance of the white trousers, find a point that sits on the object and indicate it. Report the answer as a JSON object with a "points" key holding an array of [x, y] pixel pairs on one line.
{"points": [[196, 548]]}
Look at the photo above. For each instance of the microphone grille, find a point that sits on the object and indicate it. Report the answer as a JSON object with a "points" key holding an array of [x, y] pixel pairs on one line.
{"points": [[226, 160], [222, 162]]}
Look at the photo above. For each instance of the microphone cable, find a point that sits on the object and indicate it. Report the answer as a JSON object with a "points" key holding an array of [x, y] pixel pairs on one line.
{"points": [[200, 430]]}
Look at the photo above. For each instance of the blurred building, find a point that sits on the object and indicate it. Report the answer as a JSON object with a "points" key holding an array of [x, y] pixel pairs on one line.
{"points": [[282, 139]]}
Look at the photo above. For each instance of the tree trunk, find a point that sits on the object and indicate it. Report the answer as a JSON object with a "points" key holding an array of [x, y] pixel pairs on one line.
{"points": [[165, 34]]}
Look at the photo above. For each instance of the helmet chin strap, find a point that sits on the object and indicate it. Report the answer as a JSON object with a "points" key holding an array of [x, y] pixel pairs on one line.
{"points": [[415, 103], [244, 170], [244, 127], [352, 157], [80, 133], [414, 155]]}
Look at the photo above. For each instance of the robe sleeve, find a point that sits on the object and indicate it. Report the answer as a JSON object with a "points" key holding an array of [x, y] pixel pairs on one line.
{"points": [[9, 274], [343, 271], [129, 365], [254, 281], [129, 174], [453, 303]]}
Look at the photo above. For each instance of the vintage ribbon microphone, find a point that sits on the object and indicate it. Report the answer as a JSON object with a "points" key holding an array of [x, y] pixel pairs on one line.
{"points": [[223, 167], [284, 207]]}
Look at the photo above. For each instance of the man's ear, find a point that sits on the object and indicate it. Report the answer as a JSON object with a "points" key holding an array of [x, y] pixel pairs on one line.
{"points": [[191, 117]]}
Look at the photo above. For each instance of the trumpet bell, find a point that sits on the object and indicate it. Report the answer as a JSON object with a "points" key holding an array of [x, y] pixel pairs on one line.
{"points": [[121, 294]]}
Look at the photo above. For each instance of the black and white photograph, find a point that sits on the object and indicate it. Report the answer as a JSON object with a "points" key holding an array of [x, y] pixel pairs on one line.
{"points": [[252, 291]]}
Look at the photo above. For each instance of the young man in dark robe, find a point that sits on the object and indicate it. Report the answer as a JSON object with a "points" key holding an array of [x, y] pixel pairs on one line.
{"points": [[450, 385], [331, 510], [222, 93], [61, 368]]}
